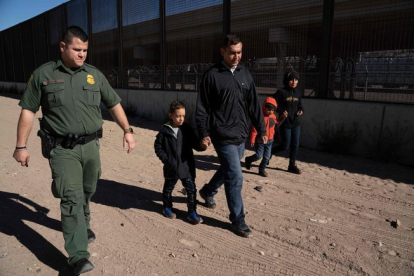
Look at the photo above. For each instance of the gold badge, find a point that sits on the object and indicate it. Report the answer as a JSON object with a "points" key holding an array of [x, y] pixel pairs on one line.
{"points": [[90, 79]]}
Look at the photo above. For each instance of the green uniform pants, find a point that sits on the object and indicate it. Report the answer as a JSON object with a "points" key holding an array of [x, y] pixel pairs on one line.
{"points": [[75, 173]]}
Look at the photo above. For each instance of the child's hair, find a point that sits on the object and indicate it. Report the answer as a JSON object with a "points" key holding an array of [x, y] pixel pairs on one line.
{"points": [[271, 106], [175, 105]]}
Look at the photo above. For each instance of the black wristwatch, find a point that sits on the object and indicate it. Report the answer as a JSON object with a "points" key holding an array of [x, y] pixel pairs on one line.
{"points": [[129, 130]]}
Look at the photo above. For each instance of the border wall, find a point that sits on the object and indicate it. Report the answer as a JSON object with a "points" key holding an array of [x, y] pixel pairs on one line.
{"points": [[381, 131], [376, 130]]}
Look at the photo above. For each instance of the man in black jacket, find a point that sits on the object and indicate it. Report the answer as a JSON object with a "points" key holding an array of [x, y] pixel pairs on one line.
{"points": [[226, 104]]}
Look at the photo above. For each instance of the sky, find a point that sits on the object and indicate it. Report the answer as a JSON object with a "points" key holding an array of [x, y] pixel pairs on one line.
{"points": [[13, 12]]}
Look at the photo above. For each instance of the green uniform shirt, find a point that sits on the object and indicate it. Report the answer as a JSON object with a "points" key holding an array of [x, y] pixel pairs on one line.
{"points": [[69, 100]]}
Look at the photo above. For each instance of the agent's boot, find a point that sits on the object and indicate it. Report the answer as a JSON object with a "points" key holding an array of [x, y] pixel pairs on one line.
{"points": [[91, 236], [82, 266]]}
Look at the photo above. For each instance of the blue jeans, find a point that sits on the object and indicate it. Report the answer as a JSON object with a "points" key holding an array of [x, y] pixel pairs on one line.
{"points": [[290, 139], [262, 150], [229, 174]]}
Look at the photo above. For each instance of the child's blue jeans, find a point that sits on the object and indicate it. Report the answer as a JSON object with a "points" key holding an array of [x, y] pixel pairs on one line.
{"points": [[262, 150]]}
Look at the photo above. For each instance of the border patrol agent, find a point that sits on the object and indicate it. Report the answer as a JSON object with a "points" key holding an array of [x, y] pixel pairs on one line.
{"points": [[70, 92]]}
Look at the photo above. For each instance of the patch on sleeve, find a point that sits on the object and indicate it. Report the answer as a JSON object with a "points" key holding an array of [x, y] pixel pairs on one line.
{"points": [[90, 79], [30, 80]]}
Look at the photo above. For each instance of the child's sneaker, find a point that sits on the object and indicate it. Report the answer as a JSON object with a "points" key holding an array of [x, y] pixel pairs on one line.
{"points": [[169, 213], [263, 173], [194, 218], [248, 163], [293, 169]]}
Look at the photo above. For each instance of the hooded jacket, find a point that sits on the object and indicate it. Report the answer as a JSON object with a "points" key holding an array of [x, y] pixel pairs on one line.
{"points": [[289, 99], [270, 122], [226, 105], [176, 153]]}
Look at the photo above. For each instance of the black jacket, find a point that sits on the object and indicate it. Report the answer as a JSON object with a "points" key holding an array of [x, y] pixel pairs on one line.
{"points": [[290, 100], [176, 153], [226, 104]]}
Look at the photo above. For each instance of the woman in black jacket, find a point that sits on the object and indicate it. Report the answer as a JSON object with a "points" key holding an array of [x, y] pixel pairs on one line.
{"points": [[289, 108]]}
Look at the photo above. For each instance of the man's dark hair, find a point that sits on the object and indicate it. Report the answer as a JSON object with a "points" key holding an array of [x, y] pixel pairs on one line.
{"points": [[230, 39], [74, 31], [176, 105]]}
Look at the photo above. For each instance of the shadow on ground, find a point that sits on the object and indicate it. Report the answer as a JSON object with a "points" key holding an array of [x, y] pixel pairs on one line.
{"points": [[14, 213], [123, 196]]}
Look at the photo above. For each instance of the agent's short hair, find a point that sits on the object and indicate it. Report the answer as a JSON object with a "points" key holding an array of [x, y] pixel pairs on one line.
{"points": [[74, 31], [175, 105], [230, 39]]}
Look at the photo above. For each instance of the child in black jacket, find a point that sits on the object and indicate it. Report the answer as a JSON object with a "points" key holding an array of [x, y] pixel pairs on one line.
{"points": [[290, 108], [174, 146]]}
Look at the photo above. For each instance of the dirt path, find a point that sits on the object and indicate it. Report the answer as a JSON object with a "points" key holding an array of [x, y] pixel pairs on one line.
{"points": [[335, 219]]}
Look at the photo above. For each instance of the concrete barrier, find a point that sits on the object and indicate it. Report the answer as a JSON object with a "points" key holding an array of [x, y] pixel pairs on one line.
{"points": [[377, 130]]}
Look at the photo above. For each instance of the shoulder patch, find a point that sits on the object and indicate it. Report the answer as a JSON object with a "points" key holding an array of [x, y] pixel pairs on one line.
{"points": [[30, 80]]}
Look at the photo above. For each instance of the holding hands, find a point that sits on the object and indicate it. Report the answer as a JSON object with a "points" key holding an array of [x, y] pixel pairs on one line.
{"points": [[264, 140], [205, 142]]}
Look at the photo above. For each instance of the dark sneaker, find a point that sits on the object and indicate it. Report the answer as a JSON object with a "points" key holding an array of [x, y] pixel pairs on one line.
{"points": [[294, 169], [248, 163], [241, 229], [169, 213], [263, 173], [194, 218], [83, 266], [91, 236], [208, 199]]}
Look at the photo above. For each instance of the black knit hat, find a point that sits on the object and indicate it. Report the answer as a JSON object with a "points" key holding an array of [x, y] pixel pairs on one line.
{"points": [[293, 75], [290, 76], [271, 106]]}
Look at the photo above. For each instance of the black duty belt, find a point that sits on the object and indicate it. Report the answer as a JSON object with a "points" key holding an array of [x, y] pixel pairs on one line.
{"points": [[71, 140]]}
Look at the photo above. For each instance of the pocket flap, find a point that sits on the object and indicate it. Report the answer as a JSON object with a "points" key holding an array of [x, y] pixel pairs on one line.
{"points": [[92, 88], [52, 88]]}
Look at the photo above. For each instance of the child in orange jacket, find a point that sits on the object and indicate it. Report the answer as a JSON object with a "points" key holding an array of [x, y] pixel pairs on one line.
{"points": [[263, 150]]}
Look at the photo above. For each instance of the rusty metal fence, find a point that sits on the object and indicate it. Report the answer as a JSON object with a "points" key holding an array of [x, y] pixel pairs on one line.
{"points": [[132, 47]]}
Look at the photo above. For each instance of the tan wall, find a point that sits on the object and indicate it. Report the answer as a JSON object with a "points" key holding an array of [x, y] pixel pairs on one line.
{"points": [[379, 130], [384, 131]]}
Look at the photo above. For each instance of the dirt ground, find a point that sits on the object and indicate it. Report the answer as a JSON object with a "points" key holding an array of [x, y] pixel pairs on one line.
{"points": [[342, 216]]}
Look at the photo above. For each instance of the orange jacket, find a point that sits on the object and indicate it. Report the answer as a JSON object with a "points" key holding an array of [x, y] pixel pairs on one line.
{"points": [[270, 122]]}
